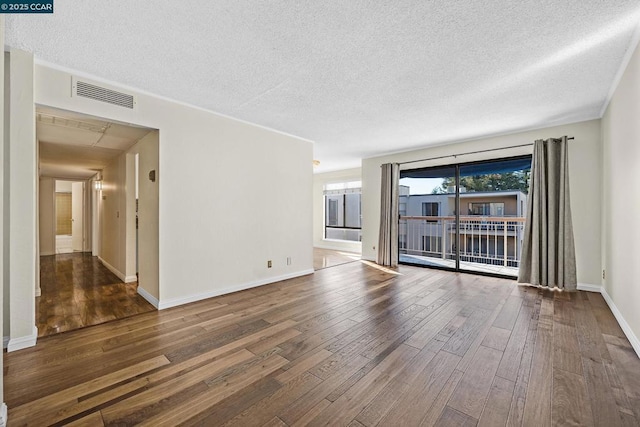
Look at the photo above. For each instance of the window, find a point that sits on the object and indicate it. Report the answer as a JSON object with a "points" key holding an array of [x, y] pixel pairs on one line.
{"points": [[477, 206], [352, 207], [353, 185], [486, 209], [479, 209], [63, 214], [402, 209], [332, 212], [343, 211], [430, 209]]}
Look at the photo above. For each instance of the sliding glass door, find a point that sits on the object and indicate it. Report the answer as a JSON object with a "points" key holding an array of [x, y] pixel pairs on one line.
{"points": [[427, 206], [465, 217], [493, 199]]}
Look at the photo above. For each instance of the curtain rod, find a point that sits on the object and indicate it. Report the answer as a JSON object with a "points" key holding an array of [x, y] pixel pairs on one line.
{"points": [[472, 152]]}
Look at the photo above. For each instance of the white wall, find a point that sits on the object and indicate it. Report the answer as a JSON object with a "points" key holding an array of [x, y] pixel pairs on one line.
{"points": [[63, 186], [23, 262], [5, 195], [621, 197], [232, 195], [47, 216], [584, 169], [3, 203], [148, 150], [113, 223], [319, 181], [109, 218]]}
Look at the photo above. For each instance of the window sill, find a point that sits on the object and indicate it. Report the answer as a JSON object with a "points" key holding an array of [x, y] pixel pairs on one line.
{"points": [[342, 241]]}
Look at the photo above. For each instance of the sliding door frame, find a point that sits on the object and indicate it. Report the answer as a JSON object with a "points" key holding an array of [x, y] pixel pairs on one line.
{"points": [[457, 268]]}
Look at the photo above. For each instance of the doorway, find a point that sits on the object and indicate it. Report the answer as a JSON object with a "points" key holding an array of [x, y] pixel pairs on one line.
{"points": [[88, 197], [69, 216], [467, 217]]}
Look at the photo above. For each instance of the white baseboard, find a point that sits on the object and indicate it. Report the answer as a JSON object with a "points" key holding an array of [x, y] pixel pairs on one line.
{"points": [[121, 276], [38, 291], [5, 342], [215, 293], [47, 253], [3, 415], [633, 339], [146, 295], [589, 288], [19, 343]]}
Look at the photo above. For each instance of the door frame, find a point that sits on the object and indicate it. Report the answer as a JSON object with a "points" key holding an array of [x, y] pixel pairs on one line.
{"points": [[87, 212], [457, 268]]}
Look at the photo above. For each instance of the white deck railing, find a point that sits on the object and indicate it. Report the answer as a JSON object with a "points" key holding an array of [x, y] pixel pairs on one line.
{"points": [[483, 239]]}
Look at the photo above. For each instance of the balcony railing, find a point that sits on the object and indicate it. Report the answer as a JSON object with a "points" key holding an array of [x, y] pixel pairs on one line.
{"points": [[495, 241]]}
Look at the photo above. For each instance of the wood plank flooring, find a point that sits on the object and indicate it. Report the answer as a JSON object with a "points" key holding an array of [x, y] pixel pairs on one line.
{"points": [[352, 345], [78, 291], [323, 258]]}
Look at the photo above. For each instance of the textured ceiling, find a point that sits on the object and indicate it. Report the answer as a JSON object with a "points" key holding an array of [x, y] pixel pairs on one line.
{"points": [[360, 78], [76, 146]]}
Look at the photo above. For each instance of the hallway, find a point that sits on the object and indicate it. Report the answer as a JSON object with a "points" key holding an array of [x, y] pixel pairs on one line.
{"points": [[78, 291]]}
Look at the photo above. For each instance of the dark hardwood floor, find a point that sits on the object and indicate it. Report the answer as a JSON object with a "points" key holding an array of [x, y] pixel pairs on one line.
{"points": [[78, 291], [350, 345]]}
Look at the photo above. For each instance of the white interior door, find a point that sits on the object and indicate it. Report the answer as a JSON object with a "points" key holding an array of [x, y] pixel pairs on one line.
{"points": [[76, 215]]}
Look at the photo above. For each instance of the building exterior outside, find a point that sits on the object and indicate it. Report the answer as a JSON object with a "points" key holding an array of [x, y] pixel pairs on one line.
{"points": [[491, 227]]}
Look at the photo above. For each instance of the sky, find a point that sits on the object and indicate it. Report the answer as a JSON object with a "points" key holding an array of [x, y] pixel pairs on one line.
{"points": [[421, 185]]}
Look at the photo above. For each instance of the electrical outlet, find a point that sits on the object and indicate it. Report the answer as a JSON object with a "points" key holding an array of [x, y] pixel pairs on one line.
{"points": [[288, 260], [269, 264], [603, 274]]}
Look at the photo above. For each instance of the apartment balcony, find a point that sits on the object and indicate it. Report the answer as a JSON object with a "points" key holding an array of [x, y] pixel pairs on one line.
{"points": [[487, 244]]}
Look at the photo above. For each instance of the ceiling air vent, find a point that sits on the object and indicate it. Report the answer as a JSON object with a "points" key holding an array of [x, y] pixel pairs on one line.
{"points": [[103, 94]]}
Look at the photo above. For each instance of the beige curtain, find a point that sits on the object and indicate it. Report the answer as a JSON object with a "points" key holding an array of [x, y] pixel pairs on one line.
{"points": [[548, 251], [388, 237]]}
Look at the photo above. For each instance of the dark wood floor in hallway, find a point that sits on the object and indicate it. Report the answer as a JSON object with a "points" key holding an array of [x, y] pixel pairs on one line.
{"points": [[349, 345], [78, 291]]}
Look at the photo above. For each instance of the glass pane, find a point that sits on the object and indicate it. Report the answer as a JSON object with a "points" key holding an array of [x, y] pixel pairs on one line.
{"points": [[333, 216], [426, 234], [493, 200], [343, 212], [352, 210]]}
